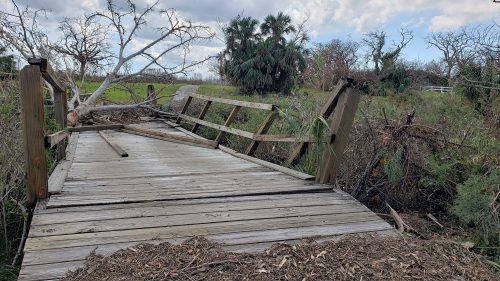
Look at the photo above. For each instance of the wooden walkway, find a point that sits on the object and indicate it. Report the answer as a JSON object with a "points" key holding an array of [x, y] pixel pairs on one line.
{"points": [[166, 191]]}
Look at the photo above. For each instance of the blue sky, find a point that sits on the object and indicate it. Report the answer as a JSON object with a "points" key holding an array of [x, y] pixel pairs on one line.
{"points": [[328, 19]]}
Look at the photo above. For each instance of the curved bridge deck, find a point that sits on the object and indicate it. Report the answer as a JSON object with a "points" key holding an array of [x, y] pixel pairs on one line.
{"points": [[167, 191]]}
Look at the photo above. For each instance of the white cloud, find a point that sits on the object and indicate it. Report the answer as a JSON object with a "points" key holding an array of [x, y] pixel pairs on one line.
{"points": [[369, 14]]}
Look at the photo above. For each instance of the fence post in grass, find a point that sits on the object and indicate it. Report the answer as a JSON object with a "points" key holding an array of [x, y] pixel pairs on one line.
{"points": [[61, 113], [33, 129], [228, 122], [151, 96], [340, 125], [266, 125]]}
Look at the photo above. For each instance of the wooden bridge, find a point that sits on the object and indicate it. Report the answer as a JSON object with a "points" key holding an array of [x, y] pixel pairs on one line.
{"points": [[156, 182]]}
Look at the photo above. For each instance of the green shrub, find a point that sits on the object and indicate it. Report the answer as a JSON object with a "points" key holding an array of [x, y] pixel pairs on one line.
{"points": [[476, 205]]}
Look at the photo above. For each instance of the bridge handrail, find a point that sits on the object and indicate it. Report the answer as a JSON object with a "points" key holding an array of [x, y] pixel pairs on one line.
{"points": [[341, 105]]}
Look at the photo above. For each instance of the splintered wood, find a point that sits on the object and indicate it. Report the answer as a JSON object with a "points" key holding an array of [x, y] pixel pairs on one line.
{"points": [[169, 192]]}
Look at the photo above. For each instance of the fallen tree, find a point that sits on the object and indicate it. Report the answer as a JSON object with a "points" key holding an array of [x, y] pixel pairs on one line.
{"points": [[173, 37]]}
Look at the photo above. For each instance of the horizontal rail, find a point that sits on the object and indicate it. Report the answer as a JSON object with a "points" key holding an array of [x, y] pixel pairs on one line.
{"points": [[247, 104], [55, 138], [284, 138], [218, 127]]}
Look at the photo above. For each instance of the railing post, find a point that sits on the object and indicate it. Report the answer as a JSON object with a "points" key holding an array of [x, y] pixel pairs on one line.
{"points": [[340, 125], [228, 122], [61, 113], [184, 109], [266, 125], [33, 128], [201, 116]]}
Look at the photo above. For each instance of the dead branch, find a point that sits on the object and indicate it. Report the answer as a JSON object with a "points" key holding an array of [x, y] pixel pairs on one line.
{"points": [[402, 227], [433, 218]]}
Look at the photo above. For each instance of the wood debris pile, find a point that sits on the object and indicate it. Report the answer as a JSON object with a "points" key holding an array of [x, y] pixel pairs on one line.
{"points": [[350, 258]]}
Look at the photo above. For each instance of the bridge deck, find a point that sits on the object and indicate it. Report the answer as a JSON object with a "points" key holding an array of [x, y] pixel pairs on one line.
{"points": [[166, 191]]}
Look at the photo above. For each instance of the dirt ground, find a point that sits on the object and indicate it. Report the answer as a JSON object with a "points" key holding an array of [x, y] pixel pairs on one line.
{"points": [[351, 258]]}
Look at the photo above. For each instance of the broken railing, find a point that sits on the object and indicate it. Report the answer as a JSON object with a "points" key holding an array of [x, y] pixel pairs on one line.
{"points": [[340, 108]]}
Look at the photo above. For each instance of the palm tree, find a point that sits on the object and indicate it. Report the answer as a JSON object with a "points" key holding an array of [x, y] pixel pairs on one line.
{"points": [[277, 27], [241, 33], [263, 62]]}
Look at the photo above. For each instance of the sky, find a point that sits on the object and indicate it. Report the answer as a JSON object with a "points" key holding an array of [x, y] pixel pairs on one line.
{"points": [[327, 19]]}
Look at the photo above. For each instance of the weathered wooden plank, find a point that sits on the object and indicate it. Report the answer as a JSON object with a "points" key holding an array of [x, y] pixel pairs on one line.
{"points": [[213, 200], [113, 145], [132, 198], [232, 230], [136, 210], [147, 188], [218, 127], [339, 213], [33, 129], [266, 125], [170, 137], [247, 104], [55, 138], [47, 271], [58, 176], [96, 128]]}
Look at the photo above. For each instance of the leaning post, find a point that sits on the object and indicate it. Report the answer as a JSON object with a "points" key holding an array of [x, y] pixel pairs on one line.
{"points": [[340, 125], [33, 129]]}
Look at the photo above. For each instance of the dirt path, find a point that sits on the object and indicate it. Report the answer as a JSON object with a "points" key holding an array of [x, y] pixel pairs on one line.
{"points": [[178, 100]]}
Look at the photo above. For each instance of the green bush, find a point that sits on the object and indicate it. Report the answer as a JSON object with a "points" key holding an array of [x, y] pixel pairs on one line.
{"points": [[476, 205]]}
